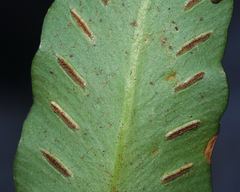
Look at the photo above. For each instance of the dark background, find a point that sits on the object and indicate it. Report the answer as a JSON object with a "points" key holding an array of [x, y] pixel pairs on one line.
{"points": [[20, 27]]}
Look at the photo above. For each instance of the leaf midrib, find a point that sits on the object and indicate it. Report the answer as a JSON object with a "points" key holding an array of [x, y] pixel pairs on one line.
{"points": [[130, 89]]}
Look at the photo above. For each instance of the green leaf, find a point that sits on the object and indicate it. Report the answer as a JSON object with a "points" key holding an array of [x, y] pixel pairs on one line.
{"points": [[128, 95]]}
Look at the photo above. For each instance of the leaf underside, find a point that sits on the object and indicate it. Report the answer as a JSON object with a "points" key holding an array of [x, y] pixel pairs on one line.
{"points": [[128, 95]]}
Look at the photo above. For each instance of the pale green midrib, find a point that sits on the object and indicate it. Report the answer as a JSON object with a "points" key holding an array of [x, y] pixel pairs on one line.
{"points": [[126, 118]]}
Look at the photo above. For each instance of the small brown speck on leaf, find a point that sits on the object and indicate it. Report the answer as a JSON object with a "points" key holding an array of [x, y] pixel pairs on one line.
{"points": [[171, 76], [151, 83], [155, 151], [134, 23], [163, 40], [105, 2]]}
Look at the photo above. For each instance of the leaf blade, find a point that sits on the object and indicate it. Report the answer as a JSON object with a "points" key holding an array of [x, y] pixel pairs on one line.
{"points": [[129, 102]]}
